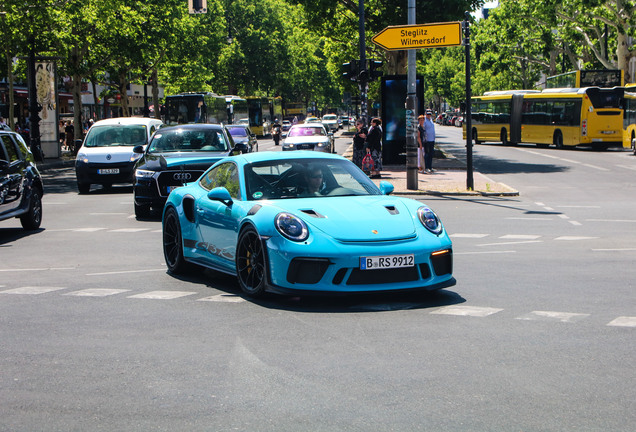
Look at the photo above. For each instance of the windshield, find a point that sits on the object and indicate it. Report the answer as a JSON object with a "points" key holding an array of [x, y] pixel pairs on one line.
{"points": [[183, 140], [301, 178], [116, 135], [300, 131], [237, 131], [330, 117]]}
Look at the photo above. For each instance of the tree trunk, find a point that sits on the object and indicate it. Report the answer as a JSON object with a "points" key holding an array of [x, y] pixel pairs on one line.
{"points": [[11, 95], [155, 94], [78, 128]]}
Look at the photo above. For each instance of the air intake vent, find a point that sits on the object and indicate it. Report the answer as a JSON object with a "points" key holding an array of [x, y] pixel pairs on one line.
{"points": [[312, 213], [392, 209]]}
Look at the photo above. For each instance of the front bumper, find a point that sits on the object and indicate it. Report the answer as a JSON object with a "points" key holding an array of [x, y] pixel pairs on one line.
{"points": [[91, 172], [293, 269]]}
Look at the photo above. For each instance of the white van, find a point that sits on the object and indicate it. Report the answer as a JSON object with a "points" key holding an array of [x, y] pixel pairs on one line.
{"points": [[107, 156]]}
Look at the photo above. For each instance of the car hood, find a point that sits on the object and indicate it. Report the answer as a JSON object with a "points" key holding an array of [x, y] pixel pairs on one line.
{"points": [[108, 154], [372, 218], [191, 160]]}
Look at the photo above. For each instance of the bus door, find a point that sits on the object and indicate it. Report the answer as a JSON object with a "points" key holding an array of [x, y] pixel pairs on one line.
{"points": [[515, 118]]}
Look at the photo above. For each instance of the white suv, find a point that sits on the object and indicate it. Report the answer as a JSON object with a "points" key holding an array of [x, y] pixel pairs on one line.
{"points": [[107, 156]]}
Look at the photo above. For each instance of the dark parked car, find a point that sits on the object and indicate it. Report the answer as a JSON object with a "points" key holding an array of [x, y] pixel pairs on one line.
{"points": [[21, 187], [176, 156], [244, 140]]}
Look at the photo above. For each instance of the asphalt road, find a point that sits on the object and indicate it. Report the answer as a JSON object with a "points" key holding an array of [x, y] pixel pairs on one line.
{"points": [[537, 335]]}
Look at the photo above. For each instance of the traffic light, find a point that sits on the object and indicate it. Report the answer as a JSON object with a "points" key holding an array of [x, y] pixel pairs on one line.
{"points": [[375, 69], [197, 6], [350, 70]]}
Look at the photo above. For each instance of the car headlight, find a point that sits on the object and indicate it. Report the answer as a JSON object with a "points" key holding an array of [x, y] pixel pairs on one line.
{"points": [[81, 157], [144, 174], [321, 144], [135, 156], [291, 227], [430, 220]]}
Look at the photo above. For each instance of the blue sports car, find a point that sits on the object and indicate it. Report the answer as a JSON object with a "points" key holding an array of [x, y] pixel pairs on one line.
{"points": [[306, 223]]}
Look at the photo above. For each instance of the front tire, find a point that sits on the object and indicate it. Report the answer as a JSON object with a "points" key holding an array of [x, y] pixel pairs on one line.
{"points": [[474, 134], [558, 140], [173, 244], [504, 137], [251, 264], [32, 219], [634, 144], [83, 188]]}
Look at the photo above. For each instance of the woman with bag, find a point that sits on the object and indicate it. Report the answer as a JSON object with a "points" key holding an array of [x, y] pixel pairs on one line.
{"points": [[358, 143], [374, 145]]}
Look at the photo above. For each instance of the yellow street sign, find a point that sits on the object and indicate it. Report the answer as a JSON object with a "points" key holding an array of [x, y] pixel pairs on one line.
{"points": [[418, 36]]}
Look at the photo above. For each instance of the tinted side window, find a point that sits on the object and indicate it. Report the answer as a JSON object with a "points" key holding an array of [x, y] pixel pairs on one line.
{"points": [[10, 148]]}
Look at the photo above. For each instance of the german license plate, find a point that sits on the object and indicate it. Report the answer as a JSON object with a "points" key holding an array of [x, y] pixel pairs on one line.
{"points": [[386, 262], [108, 171]]}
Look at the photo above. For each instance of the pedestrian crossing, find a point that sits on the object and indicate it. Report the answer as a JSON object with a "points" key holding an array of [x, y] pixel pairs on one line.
{"points": [[467, 311]]}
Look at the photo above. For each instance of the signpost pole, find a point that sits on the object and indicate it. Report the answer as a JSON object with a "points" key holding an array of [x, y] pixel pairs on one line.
{"points": [[362, 77], [411, 111], [467, 115]]}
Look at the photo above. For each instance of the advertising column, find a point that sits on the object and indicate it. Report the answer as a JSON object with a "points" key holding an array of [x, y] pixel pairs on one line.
{"points": [[47, 100]]}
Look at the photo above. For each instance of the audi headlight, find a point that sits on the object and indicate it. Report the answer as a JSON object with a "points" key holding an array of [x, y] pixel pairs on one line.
{"points": [[291, 227], [430, 220], [144, 174]]}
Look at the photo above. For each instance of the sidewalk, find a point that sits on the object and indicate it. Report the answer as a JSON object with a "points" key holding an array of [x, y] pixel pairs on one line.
{"points": [[449, 177]]}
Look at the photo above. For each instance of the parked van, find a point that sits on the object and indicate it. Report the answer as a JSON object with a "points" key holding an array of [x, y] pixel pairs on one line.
{"points": [[106, 156]]}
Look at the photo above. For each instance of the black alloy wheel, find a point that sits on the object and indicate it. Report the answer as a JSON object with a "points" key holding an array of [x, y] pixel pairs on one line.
{"points": [[173, 244], [251, 263], [32, 219]]}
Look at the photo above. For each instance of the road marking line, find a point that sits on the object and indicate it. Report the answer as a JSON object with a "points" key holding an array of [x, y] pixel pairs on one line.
{"points": [[108, 214], [623, 321], [578, 206], [629, 167], [614, 250], [162, 295], [96, 292], [87, 229], [562, 216], [224, 298], [37, 269], [575, 223], [32, 290], [484, 252], [529, 218], [128, 230], [520, 237], [611, 220], [553, 316], [510, 243], [469, 235], [466, 311], [124, 272], [570, 238]]}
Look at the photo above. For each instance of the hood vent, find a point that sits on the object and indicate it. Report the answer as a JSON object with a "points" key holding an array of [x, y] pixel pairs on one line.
{"points": [[313, 213], [392, 209]]}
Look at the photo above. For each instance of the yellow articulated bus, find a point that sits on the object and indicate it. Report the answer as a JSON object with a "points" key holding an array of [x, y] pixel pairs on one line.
{"points": [[629, 118], [561, 117]]}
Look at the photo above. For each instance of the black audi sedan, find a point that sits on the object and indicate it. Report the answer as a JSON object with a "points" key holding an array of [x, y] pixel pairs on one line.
{"points": [[21, 186], [176, 155]]}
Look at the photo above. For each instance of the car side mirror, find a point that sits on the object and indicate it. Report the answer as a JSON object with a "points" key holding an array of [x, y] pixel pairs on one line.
{"points": [[139, 149], [386, 188], [220, 194]]}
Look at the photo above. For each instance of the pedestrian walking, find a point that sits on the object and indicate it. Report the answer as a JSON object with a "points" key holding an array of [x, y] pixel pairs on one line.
{"points": [[421, 133], [359, 140], [374, 144], [429, 142]]}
